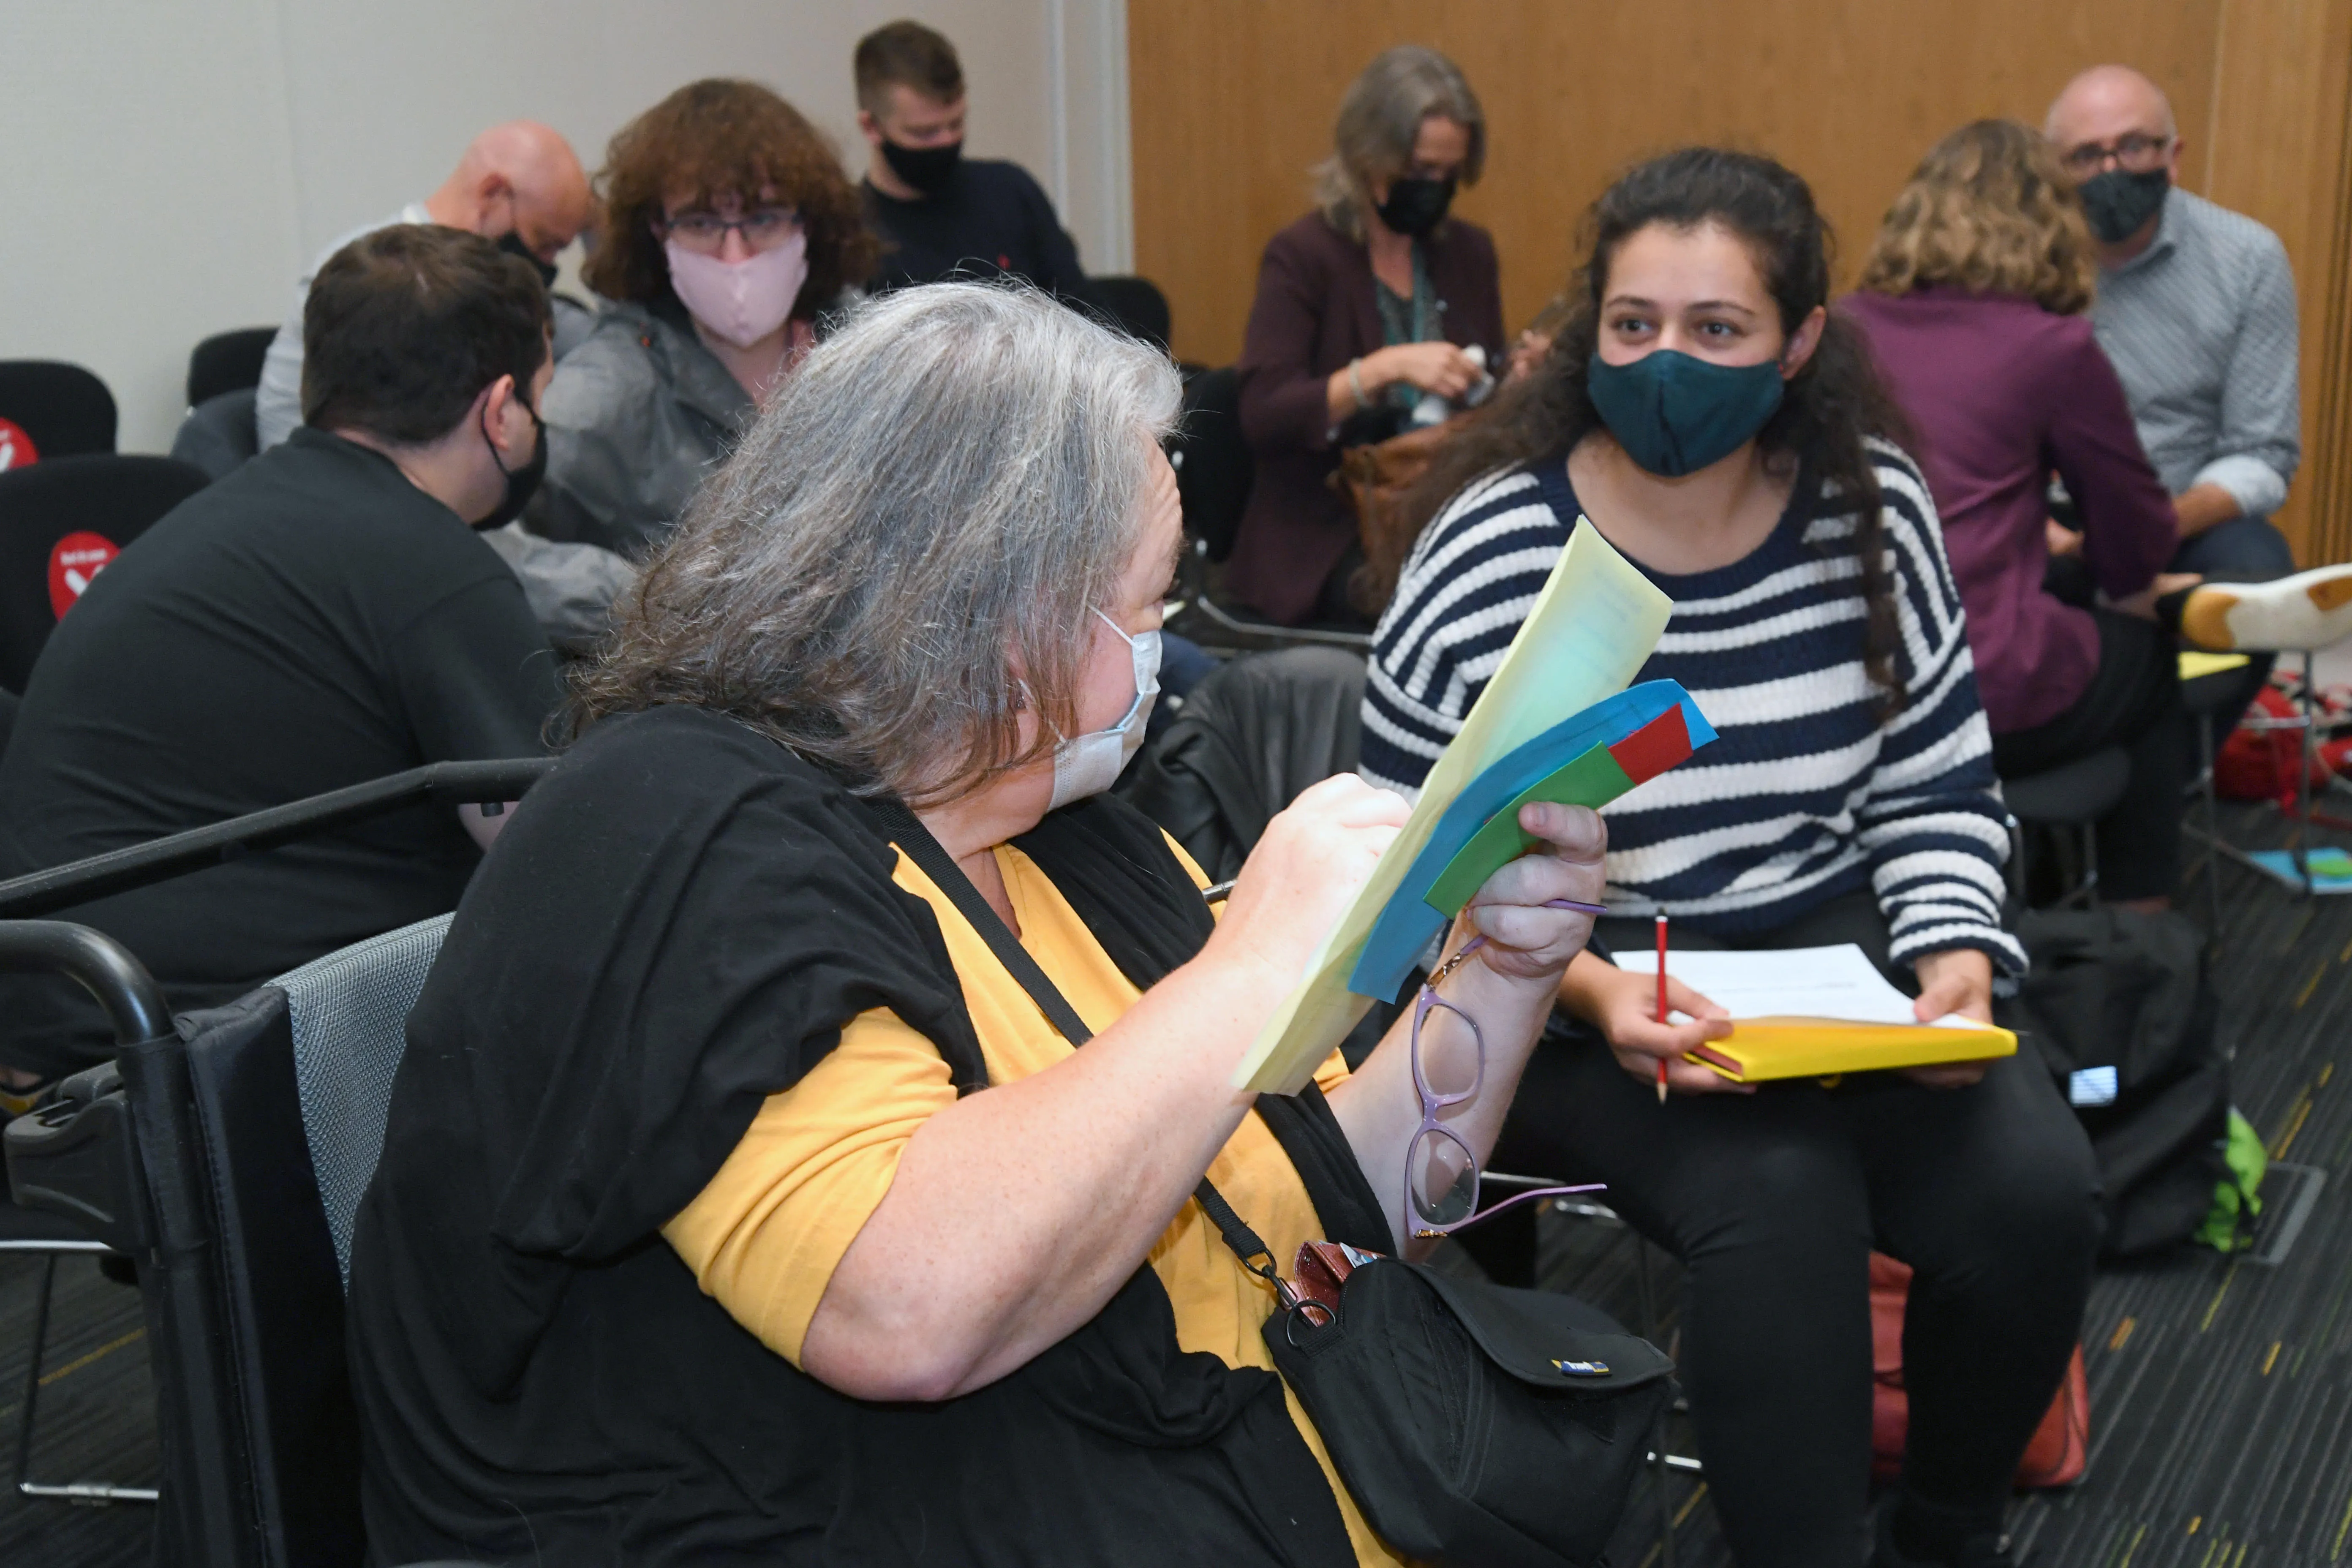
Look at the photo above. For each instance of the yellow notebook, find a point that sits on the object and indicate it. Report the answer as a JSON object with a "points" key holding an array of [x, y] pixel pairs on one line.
{"points": [[1761, 1048], [1816, 1012]]}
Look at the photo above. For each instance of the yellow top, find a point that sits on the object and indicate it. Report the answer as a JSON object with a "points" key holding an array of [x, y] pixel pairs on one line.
{"points": [[765, 1235]]}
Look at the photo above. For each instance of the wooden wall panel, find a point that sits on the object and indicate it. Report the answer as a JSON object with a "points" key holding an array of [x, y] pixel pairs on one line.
{"points": [[2277, 151], [1233, 100]]}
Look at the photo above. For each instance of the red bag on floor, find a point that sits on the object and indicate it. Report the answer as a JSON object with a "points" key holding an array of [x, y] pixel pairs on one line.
{"points": [[2061, 1444], [2260, 764]]}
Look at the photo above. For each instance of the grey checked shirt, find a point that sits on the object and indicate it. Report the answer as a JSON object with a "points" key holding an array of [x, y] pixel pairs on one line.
{"points": [[2201, 326]]}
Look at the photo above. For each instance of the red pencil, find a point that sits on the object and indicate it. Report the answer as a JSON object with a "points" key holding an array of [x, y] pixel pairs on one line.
{"points": [[1662, 1003]]}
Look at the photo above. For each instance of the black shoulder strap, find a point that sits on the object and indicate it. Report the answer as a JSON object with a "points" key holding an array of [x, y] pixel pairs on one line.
{"points": [[908, 833]]}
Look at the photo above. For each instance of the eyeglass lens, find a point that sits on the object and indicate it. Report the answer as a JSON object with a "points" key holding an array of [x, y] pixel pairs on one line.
{"points": [[1442, 1176], [1446, 1050], [762, 229], [2134, 152]]}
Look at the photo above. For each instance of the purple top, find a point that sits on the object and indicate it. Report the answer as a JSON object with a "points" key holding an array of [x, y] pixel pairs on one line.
{"points": [[1999, 392]]}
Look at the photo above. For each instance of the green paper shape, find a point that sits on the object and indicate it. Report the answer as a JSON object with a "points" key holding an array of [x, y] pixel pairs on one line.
{"points": [[1592, 780]]}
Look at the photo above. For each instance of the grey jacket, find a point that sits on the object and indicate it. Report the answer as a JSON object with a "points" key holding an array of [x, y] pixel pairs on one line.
{"points": [[635, 417]]}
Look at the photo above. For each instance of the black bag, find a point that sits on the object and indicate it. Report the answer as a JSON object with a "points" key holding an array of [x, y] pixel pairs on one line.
{"points": [[2122, 1012], [1474, 1423]]}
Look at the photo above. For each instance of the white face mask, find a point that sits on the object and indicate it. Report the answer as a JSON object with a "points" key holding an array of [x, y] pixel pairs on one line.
{"points": [[1089, 764], [740, 302]]}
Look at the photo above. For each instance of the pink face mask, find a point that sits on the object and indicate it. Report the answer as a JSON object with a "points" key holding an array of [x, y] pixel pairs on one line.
{"points": [[740, 302]]}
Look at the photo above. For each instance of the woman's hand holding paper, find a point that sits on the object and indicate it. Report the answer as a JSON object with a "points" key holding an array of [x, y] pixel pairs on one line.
{"points": [[1525, 939], [1957, 980], [1305, 871]]}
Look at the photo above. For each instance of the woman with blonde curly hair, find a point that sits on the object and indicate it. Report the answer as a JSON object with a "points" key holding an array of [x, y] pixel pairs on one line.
{"points": [[727, 229], [1973, 299]]}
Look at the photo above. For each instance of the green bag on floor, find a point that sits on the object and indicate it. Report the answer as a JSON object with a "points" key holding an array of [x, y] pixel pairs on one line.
{"points": [[2229, 1225]]}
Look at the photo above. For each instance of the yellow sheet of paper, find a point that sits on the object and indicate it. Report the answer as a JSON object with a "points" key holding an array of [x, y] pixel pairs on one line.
{"points": [[1587, 636], [2195, 662]]}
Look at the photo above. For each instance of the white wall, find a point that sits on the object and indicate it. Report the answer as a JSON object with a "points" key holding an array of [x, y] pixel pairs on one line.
{"points": [[168, 166]]}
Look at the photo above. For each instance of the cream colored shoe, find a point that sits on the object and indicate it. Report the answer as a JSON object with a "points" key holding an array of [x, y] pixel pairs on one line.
{"points": [[2308, 611]]}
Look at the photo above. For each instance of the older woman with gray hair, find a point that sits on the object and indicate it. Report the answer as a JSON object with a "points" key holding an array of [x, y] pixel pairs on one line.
{"points": [[693, 1238], [1364, 309]]}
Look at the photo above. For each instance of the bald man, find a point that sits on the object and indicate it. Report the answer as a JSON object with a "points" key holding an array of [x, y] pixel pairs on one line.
{"points": [[2195, 308], [518, 183]]}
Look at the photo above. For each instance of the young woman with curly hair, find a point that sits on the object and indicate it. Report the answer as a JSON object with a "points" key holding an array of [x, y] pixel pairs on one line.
{"points": [[1974, 299], [727, 229], [1706, 414]]}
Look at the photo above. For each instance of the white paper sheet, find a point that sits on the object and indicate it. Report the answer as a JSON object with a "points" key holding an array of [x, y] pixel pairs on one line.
{"points": [[1837, 983], [1587, 636]]}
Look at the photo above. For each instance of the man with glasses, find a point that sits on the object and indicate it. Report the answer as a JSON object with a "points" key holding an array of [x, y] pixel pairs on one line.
{"points": [[2195, 308]]}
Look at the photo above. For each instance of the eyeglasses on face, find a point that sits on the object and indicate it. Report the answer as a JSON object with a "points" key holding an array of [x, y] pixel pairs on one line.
{"points": [[2133, 152], [704, 232]]}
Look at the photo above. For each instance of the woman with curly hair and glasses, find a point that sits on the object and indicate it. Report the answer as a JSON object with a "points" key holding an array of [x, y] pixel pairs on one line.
{"points": [[1975, 301], [727, 229]]}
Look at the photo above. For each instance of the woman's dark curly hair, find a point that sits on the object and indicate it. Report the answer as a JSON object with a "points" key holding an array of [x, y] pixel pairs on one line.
{"points": [[1830, 407], [709, 139]]}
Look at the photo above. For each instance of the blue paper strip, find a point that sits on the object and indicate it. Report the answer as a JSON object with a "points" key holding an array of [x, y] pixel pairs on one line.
{"points": [[1406, 926]]}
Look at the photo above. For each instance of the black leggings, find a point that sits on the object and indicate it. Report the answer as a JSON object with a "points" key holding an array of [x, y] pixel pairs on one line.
{"points": [[1774, 1201]]}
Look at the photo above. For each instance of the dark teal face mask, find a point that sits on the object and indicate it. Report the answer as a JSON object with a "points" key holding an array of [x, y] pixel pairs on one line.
{"points": [[1674, 414]]}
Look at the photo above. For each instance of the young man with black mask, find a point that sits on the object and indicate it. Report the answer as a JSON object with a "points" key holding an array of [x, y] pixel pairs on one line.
{"points": [[2196, 309], [941, 214], [326, 615]]}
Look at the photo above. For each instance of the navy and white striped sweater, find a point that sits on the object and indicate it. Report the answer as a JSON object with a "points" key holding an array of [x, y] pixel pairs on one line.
{"points": [[1806, 793]]}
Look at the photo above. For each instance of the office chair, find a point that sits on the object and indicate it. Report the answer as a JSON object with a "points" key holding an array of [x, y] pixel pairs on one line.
{"points": [[227, 361], [218, 434], [1134, 305], [63, 411], [1215, 471], [229, 1155], [98, 1210], [61, 521]]}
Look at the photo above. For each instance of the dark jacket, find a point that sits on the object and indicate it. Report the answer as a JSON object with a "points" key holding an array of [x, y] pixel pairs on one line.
{"points": [[1315, 311], [636, 417]]}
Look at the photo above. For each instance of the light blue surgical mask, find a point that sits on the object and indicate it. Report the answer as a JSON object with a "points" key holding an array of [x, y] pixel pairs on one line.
{"points": [[1090, 763]]}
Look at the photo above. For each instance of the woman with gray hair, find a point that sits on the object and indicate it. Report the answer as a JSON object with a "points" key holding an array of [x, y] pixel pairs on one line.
{"points": [[1364, 309], [690, 1238]]}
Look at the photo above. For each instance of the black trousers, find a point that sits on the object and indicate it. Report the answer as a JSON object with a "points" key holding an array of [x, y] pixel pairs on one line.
{"points": [[1774, 1202], [2133, 701]]}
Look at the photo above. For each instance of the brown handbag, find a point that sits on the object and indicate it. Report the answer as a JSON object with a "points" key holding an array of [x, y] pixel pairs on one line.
{"points": [[1375, 480], [2061, 1445]]}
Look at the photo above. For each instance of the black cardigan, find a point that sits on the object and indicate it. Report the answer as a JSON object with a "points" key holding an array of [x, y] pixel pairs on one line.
{"points": [[675, 928]]}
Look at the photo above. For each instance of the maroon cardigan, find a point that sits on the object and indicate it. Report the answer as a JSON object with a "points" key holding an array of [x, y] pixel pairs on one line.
{"points": [[1315, 311], [2001, 393]]}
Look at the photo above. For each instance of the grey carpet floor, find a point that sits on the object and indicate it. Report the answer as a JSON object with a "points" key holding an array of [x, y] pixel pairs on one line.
{"points": [[2221, 1388]]}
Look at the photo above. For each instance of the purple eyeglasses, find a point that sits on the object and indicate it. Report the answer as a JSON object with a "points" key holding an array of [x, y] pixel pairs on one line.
{"points": [[1441, 1177]]}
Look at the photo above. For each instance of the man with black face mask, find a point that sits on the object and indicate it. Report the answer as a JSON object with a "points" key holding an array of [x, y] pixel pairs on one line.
{"points": [[941, 214], [326, 615], [2196, 309], [316, 619]]}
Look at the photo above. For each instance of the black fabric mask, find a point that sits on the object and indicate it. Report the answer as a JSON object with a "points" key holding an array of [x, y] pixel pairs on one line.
{"points": [[927, 169], [1416, 205], [2118, 202], [511, 242], [522, 483]]}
